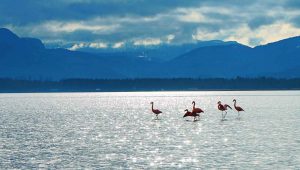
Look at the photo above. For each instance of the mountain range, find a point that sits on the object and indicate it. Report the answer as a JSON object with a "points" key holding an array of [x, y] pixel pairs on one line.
{"points": [[27, 58]]}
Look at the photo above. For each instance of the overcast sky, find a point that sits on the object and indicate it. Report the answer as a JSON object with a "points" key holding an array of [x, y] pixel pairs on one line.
{"points": [[114, 23]]}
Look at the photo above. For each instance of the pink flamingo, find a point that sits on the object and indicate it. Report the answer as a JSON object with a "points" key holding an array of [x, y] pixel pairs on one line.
{"points": [[223, 108], [155, 111], [238, 108], [196, 110]]}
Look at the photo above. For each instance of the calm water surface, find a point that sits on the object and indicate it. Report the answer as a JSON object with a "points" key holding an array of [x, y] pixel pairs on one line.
{"points": [[118, 130]]}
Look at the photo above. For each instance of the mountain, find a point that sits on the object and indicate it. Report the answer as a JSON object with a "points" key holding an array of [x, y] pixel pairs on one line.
{"points": [[278, 59], [212, 61], [280, 56], [163, 52], [27, 58]]}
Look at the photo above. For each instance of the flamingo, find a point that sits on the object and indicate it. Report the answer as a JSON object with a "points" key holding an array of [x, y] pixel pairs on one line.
{"points": [[223, 108], [155, 111], [237, 108], [192, 114], [196, 110]]}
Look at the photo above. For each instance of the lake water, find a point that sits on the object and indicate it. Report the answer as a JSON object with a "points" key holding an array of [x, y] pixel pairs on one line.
{"points": [[118, 130]]}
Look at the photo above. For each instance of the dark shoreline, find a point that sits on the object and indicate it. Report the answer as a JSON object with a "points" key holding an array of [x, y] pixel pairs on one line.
{"points": [[24, 92], [150, 84]]}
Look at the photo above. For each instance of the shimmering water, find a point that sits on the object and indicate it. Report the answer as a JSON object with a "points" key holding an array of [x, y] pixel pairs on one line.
{"points": [[118, 130]]}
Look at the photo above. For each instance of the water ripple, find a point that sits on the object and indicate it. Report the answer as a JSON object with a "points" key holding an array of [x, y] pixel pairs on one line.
{"points": [[118, 131]]}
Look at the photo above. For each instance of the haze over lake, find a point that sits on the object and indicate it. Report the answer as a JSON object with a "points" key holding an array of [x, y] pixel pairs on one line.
{"points": [[118, 130]]}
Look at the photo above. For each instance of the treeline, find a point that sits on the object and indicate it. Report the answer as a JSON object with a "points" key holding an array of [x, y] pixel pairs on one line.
{"points": [[149, 84]]}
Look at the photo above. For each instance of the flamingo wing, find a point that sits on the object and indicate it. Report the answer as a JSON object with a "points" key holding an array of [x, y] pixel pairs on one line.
{"points": [[238, 108], [156, 111], [201, 111], [226, 105], [187, 114], [197, 110]]}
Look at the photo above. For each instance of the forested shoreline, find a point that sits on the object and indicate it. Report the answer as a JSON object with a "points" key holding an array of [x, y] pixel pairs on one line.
{"points": [[149, 84]]}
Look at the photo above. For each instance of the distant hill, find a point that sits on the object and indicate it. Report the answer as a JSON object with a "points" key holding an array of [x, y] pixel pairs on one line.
{"points": [[27, 58], [212, 61], [278, 59], [163, 52]]}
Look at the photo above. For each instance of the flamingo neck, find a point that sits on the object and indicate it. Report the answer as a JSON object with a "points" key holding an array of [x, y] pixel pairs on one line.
{"points": [[152, 107], [193, 105], [234, 103]]}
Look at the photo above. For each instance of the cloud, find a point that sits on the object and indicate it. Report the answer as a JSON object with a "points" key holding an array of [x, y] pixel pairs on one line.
{"points": [[265, 34], [260, 21], [275, 32], [150, 22], [68, 27], [98, 45], [262, 35], [296, 21], [192, 16], [32, 11], [88, 45], [118, 45], [77, 46], [170, 38], [147, 42], [292, 4], [206, 35]]}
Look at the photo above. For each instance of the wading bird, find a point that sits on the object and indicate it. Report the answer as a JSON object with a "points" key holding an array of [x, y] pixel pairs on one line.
{"points": [[237, 108], [223, 108], [196, 110], [192, 114], [155, 111]]}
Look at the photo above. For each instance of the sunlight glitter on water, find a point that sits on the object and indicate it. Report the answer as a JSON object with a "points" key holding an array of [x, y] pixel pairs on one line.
{"points": [[118, 130]]}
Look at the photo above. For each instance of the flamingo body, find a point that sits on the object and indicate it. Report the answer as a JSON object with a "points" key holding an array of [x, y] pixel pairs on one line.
{"points": [[198, 110], [191, 114], [156, 111], [221, 107], [239, 109]]}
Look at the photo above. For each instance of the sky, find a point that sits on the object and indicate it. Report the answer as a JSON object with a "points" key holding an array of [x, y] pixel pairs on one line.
{"points": [[117, 23]]}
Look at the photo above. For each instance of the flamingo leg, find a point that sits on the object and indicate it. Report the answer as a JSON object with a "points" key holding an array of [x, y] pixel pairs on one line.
{"points": [[225, 114], [222, 115]]}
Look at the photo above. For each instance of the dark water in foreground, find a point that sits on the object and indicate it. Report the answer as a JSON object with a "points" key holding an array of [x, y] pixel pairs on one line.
{"points": [[117, 130]]}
